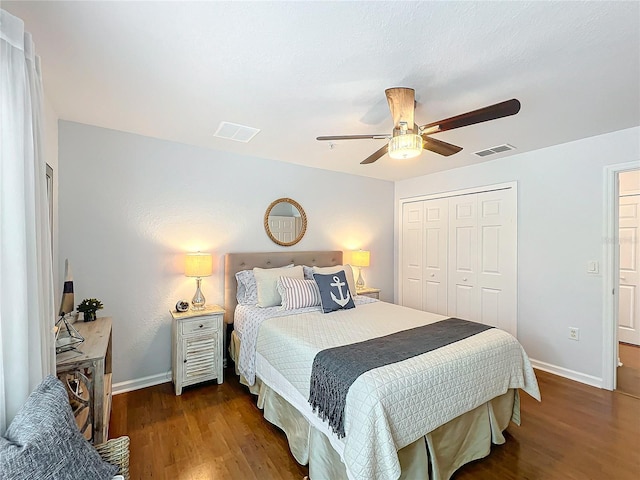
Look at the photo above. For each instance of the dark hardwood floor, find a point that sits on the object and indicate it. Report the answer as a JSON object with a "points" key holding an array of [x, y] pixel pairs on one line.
{"points": [[216, 432], [629, 373]]}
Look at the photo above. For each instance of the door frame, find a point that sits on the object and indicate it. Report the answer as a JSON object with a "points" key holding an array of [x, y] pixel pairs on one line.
{"points": [[611, 265], [455, 193]]}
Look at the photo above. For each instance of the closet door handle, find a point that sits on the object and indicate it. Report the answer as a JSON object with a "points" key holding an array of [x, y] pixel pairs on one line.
{"points": [[433, 274], [464, 279]]}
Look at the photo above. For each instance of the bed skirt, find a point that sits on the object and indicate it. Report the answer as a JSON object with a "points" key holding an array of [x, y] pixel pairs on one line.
{"points": [[435, 456]]}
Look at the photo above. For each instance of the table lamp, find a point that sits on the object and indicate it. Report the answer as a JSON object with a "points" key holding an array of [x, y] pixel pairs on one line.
{"points": [[360, 258], [198, 265]]}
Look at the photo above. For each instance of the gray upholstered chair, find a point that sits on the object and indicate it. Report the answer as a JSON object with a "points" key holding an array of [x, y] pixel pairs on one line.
{"points": [[43, 441]]}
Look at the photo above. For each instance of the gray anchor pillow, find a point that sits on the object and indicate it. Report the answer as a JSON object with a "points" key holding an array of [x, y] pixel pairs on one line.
{"points": [[334, 291], [43, 441]]}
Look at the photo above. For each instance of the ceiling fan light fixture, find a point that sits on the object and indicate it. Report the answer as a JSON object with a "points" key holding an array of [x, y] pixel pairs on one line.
{"points": [[408, 145], [409, 139]]}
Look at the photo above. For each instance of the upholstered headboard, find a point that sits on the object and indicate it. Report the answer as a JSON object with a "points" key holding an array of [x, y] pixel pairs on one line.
{"points": [[234, 262]]}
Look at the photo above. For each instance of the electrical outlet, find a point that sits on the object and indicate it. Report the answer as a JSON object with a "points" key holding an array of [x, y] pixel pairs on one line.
{"points": [[574, 333]]}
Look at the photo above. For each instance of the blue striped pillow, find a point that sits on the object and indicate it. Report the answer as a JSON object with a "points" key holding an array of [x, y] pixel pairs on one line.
{"points": [[298, 293]]}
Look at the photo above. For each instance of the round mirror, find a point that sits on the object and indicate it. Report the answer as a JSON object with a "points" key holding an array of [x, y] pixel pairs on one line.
{"points": [[285, 222]]}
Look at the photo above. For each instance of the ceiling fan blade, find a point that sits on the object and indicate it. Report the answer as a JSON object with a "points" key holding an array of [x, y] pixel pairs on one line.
{"points": [[492, 112], [402, 105], [438, 146], [353, 137], [375, 155]]}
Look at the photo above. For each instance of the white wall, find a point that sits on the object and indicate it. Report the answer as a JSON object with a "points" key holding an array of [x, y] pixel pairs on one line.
{"points": [[131, 206], [560, 228]]}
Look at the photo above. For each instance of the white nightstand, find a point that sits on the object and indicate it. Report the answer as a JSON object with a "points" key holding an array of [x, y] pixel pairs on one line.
{"points": [[197, 348], [369, 292]]}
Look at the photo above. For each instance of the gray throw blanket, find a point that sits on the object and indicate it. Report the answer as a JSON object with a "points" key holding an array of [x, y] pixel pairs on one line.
{"points": [[335, 369]]}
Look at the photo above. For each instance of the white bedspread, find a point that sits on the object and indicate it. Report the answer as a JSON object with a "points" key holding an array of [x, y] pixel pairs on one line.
{"points": [[246, 322], [390, 407]]}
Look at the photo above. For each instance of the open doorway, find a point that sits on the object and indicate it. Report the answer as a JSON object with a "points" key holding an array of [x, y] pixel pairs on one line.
{"points": [[611, 271], [628, 370]]}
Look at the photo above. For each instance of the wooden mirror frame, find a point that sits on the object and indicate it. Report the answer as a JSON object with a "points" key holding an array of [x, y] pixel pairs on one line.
{"points": [[303, 216]]}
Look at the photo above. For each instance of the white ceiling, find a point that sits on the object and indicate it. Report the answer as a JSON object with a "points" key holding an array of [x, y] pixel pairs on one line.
{"points": [[296, 70]]}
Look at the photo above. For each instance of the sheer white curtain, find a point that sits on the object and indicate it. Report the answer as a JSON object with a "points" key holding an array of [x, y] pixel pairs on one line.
{"points": [[27, 312]]}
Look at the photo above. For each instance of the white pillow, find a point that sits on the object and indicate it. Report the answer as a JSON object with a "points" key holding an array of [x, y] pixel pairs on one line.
{"points": [[267, 280], [348, 271], [297, 293]]}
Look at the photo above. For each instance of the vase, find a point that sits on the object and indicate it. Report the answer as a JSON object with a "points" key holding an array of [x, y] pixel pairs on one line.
{"points": [[89, 316]]}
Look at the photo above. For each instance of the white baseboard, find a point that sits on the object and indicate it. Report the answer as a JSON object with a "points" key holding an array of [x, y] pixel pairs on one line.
{"points": [[566, 373], [150, 381], [138, 383]]}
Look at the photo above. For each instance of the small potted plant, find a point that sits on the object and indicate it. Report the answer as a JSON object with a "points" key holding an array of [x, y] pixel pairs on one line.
{"points": [[89, 307]]}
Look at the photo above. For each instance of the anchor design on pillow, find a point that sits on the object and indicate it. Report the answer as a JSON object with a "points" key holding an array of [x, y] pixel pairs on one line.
{"points": [[342, 301]]}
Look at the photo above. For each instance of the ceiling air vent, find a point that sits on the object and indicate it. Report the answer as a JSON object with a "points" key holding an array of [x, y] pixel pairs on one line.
{"points": [[493, 150], [233, 131]]}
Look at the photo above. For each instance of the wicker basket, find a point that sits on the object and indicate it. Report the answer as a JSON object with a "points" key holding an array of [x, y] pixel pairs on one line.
{"points": [[116, 452]]}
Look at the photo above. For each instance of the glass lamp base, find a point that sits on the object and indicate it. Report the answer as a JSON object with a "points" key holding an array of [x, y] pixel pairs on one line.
{"points": [[360, 282], [198, 300]]}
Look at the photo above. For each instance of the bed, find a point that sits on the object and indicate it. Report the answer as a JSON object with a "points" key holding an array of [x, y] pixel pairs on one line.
{"points": [[422, 417]]}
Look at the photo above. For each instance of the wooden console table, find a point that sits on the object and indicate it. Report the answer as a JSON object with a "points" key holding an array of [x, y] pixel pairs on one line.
{"points": [[86, 374]]}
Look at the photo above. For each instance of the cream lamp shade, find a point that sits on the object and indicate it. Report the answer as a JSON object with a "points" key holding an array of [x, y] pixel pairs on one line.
{"points": [[360, 258], [198, 265]]}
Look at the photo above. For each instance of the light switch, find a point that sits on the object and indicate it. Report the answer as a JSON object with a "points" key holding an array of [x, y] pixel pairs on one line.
{"points": [[593, 266]]}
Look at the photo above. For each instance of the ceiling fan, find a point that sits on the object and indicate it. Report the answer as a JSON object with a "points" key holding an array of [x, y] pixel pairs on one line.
{"points": [[408, 139]]}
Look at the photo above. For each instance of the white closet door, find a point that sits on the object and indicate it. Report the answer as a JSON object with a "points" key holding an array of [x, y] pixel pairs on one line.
{"points": [[459, 257], [629, 301], [497, 260], [412, 266], [463, 258], [436, 229]]}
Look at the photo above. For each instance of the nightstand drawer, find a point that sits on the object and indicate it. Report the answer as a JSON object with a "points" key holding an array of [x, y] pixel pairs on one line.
{"points": [[371, 295], [369, 292], [200, 324]]}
